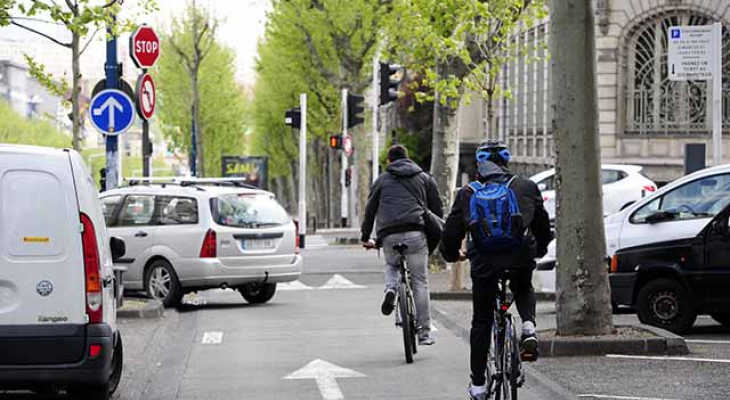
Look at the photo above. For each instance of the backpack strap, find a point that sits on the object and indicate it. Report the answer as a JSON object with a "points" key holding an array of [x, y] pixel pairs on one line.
{"points": [[509, 182], [476, 186]]}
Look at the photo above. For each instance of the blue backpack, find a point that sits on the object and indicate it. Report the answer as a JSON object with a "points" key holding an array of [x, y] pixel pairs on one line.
{"points": [[495, 221]]}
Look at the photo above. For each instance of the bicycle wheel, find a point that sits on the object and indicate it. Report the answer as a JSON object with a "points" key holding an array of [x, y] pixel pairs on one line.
{"points": [[406, 322], [503, 390], [515, 367], [412, 318]]}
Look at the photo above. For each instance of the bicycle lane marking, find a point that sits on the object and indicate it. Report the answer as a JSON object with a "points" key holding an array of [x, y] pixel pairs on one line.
{"points": [[661, 358], [609, 397]]}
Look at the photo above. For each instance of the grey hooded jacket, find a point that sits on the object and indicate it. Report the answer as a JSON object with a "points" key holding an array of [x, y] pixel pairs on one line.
{"points": [[393, 202]]}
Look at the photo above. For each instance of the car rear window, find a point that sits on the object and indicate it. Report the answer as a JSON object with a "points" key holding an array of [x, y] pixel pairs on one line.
{"points": [[248, 211]]}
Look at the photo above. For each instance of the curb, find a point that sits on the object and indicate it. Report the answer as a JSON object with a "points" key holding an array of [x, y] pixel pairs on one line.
{"points": [[546, 386], [152, 309], [665, 344], [466, 296]]}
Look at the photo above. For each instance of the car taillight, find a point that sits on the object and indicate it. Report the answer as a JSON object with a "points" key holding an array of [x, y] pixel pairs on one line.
{"points": [[650, 188], [614, 264], [296, 243], [210, 245], [94, 351], [92, 270]]}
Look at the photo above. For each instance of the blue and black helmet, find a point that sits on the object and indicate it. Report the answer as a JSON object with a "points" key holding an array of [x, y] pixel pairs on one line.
{"points": [[494, 151]]}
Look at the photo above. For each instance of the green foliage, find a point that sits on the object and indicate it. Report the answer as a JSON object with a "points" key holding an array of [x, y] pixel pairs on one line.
{"points": [[38, 71], [223, 110], [459, 44], [317, 47], [16, 129]]}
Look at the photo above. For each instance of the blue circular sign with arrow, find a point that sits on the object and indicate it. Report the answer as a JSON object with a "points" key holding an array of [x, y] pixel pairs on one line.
{"points": [[112, 112]]}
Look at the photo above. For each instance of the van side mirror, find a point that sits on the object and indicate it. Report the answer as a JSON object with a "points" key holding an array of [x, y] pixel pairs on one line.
{"points": [[118, 248]]}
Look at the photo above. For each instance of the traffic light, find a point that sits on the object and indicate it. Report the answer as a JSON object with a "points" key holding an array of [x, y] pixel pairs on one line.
{"points": [[102, 180], [348, 177], [293, 118], [355, 106], [336, 142], [389, 85]]}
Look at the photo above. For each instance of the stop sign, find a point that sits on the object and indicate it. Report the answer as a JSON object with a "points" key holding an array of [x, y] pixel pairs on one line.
{"points": [[144, 47]]}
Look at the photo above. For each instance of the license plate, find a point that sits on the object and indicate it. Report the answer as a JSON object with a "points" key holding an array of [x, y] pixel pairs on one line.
{"points": [[258, 244]]}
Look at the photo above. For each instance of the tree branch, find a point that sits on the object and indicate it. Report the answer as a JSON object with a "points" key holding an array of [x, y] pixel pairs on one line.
{"points": [[181, 53], [89, 42], [51, 38], [109, 4]]}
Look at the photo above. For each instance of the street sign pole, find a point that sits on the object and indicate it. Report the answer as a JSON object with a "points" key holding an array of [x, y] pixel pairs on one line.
{"points": [[145, 140], [303, 171], [344, 202], [717, 94], [376, 107], [112, 82]]}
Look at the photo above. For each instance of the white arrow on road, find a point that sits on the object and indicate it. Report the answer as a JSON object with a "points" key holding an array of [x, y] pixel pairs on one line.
{"points": [[325, 374], [109, 105]]}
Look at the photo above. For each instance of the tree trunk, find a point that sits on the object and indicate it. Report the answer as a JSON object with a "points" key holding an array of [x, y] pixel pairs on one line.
{"points": [[492, 132], [445, 150], [293, 187], [200, 156], [76, 91], [583, 297], [280, 184]]}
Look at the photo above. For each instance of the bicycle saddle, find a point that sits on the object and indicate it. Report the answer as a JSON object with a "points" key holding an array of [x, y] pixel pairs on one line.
{"points": [[400, 248]]}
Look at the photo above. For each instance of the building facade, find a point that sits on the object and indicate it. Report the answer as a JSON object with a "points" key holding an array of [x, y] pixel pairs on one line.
{"points": [[644, 118]]}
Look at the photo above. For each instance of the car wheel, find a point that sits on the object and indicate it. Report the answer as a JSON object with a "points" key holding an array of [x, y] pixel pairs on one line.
{"points": [[666, 304], [161, 283], [117, 365], [722, 318], [256, 293]]}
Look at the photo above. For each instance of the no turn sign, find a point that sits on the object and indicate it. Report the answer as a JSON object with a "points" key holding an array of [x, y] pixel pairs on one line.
{"points": [[347, 145], [146, 96]]}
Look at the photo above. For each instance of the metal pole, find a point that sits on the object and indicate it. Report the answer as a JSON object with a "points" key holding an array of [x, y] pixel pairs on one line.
{"points": [[344, 201], [303, 171], [376, 109], [145, 148], [112, 82], [717, 94]]}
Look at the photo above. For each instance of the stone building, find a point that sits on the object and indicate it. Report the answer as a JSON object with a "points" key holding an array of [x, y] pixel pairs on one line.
{"points": [[645, 119]]}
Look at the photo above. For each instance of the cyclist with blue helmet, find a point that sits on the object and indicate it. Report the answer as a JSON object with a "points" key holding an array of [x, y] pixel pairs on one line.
{"points": [[493, 158]]}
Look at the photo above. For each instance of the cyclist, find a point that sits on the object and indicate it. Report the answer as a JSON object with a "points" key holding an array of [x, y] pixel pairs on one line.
{"points": [[492, 160], [400, 220]]}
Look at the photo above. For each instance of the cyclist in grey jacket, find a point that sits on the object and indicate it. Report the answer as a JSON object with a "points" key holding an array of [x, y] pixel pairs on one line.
{"points": [[397, 200]]}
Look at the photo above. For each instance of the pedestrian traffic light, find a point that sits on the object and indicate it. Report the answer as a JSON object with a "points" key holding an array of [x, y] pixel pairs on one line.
{"points": [[293, 118], [389, 85], [355, 106], [336, 142], [102, 180]]}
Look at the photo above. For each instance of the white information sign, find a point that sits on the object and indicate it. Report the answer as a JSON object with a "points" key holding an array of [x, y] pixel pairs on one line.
{"points": [[690, 53]]}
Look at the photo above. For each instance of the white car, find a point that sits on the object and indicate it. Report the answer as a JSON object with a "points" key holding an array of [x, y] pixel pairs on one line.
{"points": [[622, 185], [195, 234], [677, 211], [58, 290]]}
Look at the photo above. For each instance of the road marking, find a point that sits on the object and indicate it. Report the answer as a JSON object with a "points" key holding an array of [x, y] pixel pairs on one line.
{"points": [[325, 374], [292, 286], [659, 358], [212, 337], [602, 396], [704, 341], [340, 282]]}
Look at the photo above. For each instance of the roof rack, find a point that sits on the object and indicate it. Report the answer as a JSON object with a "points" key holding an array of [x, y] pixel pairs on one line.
{"points": [[191, 182]]}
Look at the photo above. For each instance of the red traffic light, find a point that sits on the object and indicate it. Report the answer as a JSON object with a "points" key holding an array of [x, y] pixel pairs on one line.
{"points": [[336, 142]]}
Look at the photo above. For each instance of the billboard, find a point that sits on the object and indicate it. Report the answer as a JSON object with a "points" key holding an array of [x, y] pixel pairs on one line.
{"points": [[254, 169]]}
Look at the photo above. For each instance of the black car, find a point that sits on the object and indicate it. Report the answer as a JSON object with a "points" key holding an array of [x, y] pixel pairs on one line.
{"points": [[670, 283]]}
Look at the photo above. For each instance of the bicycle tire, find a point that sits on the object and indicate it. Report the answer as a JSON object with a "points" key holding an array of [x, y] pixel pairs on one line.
{"points": [[412, 318], [516, 367], [501, 391], [406, 323]]}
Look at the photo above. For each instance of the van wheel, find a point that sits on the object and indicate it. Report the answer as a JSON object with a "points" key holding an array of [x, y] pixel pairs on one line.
{"points": [[722, 318], [96, 392], [666, 304], [256, 293], [161, 283], [117, 365]]}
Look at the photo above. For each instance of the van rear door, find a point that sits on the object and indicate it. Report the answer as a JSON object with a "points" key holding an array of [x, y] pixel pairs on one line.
{"points": [[41, 264]]}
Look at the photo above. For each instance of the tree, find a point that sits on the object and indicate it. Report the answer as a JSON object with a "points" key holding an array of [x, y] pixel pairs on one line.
{"points": [[220, 101], [80, 18], [458, 46], [201, 29], [583, 296]]}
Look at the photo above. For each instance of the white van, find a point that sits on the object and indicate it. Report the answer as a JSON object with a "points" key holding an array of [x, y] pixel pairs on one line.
{"points": [[57, 285]]}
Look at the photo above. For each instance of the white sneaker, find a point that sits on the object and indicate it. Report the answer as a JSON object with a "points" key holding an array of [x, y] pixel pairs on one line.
{"points": [[528, 329], [478, 392]]}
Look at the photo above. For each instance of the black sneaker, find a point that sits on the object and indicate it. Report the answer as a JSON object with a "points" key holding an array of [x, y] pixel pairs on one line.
{"points": [[388, 303], [529, 348]]}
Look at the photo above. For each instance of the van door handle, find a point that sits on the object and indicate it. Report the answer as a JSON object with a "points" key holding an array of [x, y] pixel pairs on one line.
{"points": [[140, 234], [108, 281]]}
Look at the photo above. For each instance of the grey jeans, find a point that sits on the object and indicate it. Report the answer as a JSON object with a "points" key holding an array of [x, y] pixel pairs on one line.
{"points": [[417, 262]]}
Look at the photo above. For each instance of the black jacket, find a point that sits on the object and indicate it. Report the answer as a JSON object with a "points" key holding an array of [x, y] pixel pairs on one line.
{"points": [[396, 207], [534, 215]]}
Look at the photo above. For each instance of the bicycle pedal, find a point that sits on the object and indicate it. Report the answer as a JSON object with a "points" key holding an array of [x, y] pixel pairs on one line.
{"points": [[528, 357]]}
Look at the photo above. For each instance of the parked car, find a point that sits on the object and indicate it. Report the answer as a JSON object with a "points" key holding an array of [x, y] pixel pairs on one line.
{"points": [[670, 240], [622, 186], [189, 235], [58, 289]]}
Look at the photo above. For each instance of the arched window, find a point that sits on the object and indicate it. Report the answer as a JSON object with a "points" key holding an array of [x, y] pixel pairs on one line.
{"points": [[654, 104]]}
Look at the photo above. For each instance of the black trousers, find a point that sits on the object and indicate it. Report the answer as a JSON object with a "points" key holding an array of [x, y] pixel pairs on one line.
{"points": [[484, 293]]}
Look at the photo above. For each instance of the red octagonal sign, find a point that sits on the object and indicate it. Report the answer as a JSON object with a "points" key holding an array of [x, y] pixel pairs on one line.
{"points": [[144, 47]]}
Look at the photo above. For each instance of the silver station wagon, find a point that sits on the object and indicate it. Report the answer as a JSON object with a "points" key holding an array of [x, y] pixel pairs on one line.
{"points": [[188, 235]]}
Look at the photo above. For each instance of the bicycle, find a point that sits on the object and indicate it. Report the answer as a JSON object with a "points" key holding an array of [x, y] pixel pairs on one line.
{"points": [[405, 315], [504, 358]]}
